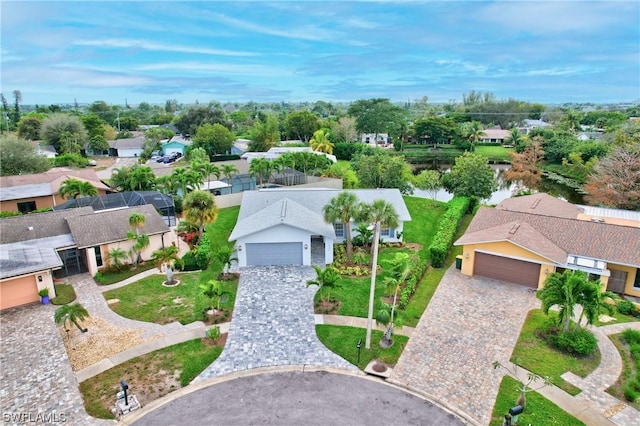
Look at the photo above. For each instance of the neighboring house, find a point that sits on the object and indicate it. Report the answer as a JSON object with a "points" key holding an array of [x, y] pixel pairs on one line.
{"points": [[45, 150], [176, 144], [524, 239], [240, 146], [585, 136], [171, 127], [34, 248], [494, 136], [528, 125], [375, 138], [286, 226], [130, 147], [25, 193], [278, 151]]}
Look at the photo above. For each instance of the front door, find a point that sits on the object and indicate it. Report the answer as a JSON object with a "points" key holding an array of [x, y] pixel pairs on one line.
{"points": [[617, 281]]}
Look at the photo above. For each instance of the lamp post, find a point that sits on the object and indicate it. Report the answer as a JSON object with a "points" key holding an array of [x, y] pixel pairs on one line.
{"points": [[376, 237]]}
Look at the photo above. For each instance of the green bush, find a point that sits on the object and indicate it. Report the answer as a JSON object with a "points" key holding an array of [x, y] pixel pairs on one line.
{"points": [[214, 333], [9, 214], [580, 342], [632, 337], [64, 294], [439, 248], [189, 262], [630, 393], [626, 307], [65, 160]]}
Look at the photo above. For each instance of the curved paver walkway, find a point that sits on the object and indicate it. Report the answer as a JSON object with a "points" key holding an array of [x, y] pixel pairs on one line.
{"points": [[470, 323], [273, 324]]}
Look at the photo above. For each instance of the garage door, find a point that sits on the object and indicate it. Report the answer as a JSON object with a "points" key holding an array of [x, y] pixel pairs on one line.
{"points": [[18, 292], [505, 269], [274, 254]]}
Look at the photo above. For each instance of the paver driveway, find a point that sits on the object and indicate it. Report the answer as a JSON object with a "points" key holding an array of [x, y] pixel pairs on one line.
{"points": [[469, 323], [37, 384], [273, 323]]}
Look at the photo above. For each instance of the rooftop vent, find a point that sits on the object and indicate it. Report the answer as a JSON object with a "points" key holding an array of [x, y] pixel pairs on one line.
{"points": [[597, 219], [514, 228], [31, 228], [535, 203]]}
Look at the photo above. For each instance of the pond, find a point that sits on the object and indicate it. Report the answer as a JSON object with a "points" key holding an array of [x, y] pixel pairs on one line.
{"points": [[508, 189]]}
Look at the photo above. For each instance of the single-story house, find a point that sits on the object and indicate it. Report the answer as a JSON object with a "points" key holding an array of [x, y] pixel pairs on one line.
{"points": [[524, 239], [129, 147], [586, 136], [530, 124], [45, 150], [175, 144], [34, 248], [26, 193], [287, 226], [494, 136]]}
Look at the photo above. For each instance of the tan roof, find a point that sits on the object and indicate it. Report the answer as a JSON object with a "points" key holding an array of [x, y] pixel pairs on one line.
{"points": [[34, 226], [542, 204], [495, 134], [47, 183], [551, 236]]}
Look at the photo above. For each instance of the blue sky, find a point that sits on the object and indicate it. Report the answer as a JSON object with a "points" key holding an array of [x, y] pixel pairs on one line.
{"points": [[542, 51]]}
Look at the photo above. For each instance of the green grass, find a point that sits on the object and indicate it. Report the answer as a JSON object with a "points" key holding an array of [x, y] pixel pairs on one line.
{"points": [[495, 153], [629, 371], [64, 294], [147, 300], [619, 318], [425, 218], [150, 376], [539, 410], [533, 354], [343, 341], [106, 278]]}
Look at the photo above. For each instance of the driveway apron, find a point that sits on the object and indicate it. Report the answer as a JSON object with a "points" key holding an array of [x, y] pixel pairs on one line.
{"points": [[273, 323], [470, 323], [38, 385]]}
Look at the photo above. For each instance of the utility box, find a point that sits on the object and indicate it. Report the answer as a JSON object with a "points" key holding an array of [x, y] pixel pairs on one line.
{"points": [[459, 262]]}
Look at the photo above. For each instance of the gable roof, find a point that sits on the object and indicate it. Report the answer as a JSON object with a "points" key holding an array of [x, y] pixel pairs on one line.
{"points": [[283, 212], [38, 225], [112, 225], [542, 204], [555, 235], [127, 143], [495, 134], [24, 258], [42, 184], [257, 207]]}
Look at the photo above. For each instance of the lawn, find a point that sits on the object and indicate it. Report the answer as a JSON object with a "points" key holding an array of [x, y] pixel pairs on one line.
{"points": [[147, 300], [343, 341], [495, 153], [64, 294], [539, 410], [620, 318], [425, 218], [149, 377], [106, 278], [533, 354]]}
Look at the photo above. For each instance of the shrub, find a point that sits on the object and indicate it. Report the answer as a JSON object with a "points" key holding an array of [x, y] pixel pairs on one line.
{"points": [[580, 342], [632, 337], [439, 248], [630, 393], [213, 333], [203, 253], [65, 160], [626, 307], [189, 262], [9, 214]]}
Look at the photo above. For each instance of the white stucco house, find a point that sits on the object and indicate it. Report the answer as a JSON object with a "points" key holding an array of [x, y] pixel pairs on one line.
{"points": [[285, 226], [278, 151]]}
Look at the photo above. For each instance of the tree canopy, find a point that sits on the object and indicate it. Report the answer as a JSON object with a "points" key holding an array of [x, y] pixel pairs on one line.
{"points": [[65, 132], [376, 115], [470, 176], [18, 156], [214, 138], [381, 170], [301, 125]]}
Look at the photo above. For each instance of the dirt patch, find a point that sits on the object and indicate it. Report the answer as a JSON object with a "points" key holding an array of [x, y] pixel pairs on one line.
{"points": [[414, 246], [221, 341], [101, 341], [327, 306]]}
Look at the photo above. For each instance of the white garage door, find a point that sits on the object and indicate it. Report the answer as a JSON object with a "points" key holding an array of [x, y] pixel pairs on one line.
{"points": [[274, 254]]}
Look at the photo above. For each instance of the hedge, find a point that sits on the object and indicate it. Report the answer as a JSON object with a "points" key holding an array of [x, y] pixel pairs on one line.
{"points": [[456, 208]]}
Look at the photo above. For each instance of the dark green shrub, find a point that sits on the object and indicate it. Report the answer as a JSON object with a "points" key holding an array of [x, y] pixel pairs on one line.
{"points": [[189, 262], [632, 337], [580, 342], [74, 160], [439, 248], [625, 307], [9, 214], [630, 393], [202, 259]]}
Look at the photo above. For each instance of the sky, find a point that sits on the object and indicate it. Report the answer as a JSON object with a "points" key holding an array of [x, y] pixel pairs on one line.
{"points": [[295, 51]]}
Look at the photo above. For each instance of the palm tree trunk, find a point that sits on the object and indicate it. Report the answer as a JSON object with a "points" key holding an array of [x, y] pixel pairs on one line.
{"points": [[83, 330]]}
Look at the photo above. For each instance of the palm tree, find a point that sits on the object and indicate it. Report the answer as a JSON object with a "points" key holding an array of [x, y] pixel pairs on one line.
{"points": [[224, 255], [516, 139], [166, 185], [326, 277], [260, 168], [473, 132], [206, 170], [593, 301], [71, 314], [320, 142], [565, 291], [381, 213], [116, 255], [73, 188], [342, 209], [200, 208], [141, 178], [229, 170], [213, 290], [120, 179], [137, 221], [166, 256]]}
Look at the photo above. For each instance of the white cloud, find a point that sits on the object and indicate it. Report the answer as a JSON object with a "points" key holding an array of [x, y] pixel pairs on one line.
{"points": [[148, 45], [246, 69]]}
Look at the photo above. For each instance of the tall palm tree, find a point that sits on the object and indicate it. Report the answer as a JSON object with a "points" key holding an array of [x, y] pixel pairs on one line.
{"points": [[260, 168], [166, 185], [141, 178], [516, 139], [320, 142], [593, 301], [71, 314], [206, 170], [120, 179], [229, 171], [474, 132], [342, 209], [200, 208], [382, 214], [137, 221], [565, 291]]}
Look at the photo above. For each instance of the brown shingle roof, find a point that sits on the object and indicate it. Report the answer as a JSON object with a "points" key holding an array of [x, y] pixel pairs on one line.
{"points": [[541, 204], [44, 225], [112, 225], [49, 176], [612, 243]]}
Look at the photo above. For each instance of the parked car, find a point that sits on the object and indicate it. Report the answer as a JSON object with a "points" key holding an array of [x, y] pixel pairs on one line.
{"points": [[168, 159], [160, 160]]}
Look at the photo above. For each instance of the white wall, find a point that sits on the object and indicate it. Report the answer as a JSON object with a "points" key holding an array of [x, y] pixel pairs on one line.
{"points": [[129, 152], [354, 232]]}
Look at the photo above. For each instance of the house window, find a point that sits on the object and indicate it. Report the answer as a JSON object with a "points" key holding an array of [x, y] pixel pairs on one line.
{"points": [[366, 139], [388, 232], [98, 254], [339, 228], [26, 207], [636, 282]]}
